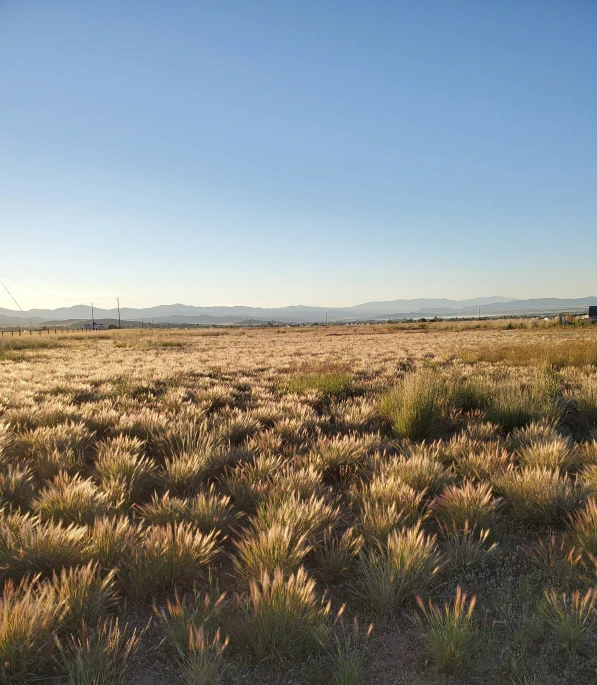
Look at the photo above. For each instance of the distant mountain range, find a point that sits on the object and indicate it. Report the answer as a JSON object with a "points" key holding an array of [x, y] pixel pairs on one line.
{"points": [[177, 314]]}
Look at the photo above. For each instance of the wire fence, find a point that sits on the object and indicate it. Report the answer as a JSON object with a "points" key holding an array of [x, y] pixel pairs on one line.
{"points": [[12, 332]]}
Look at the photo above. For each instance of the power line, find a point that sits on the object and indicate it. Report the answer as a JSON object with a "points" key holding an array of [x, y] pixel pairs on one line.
{"points": [[39, 290], [46, 292], [18, 305], [41, 275]]}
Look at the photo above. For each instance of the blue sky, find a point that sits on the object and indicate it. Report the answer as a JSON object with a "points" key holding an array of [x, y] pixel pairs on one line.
{"points": [[297, 152]]}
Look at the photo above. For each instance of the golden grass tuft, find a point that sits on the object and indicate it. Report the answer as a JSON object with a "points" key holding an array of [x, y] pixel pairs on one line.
{"points": [[28, 545], [392, 574], [469, 503], [277, 547], [71, 499], [124, 474], [30, 613], [283, 617], [539, 496], [16, 487], [174, 555]]}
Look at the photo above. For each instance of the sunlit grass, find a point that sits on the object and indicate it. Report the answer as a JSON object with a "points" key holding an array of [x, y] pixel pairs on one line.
{"points": [[539, 352], [225, 483]]}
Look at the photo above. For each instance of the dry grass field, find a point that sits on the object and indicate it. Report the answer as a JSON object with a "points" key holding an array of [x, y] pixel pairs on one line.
{"points": [[344, 505]]}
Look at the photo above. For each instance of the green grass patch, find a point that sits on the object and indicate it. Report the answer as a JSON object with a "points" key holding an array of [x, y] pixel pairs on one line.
{"points": [[337, 384], [416, 406]]}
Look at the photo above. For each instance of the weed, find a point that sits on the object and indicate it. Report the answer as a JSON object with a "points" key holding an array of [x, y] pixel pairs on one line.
{"points": [[335, 553], [30, 612], [72, 500], [390, 575], [277, 547], [342, 457], [586, 408], [388, 489], [125, 476], [469, 503], [330, 384], [44, 440], [465, 546], [489, 463], [16, 487], [349, 659], [113, 541], [184, 473], [570, 617], [182, 616], [539, 496], [240, 428], [304, 517], [556, 560], [171, 556], [124, 466], [284, 617], [448, 634], [85, 594], [250, 482], [540, 431], [209, 511], [29, 546], [415, 407], [556, 454], [419, 472], [377, 520], [514, 403], [203, 664], [584, 528], [105, 655], [546, 353]]}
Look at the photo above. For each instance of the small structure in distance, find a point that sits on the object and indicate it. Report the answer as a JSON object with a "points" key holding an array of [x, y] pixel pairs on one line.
{"points": [[94, 327], [593, 314]]}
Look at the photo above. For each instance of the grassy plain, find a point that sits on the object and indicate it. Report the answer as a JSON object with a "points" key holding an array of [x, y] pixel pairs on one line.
{"points": [[241, 506]]}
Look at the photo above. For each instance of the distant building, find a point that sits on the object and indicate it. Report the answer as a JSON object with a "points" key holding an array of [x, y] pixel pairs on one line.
{"points": [[94, 327], [593, 314]]}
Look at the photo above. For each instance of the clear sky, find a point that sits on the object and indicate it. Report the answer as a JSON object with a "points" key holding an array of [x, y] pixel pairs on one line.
{"points": [[297, 152]]}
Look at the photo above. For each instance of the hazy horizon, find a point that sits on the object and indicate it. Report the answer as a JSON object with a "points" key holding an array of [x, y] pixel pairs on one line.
{"points": [[434, 303], [276, 154]]}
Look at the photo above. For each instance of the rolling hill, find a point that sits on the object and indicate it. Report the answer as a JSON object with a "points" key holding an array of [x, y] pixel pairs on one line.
{"points": [[177, 314]]}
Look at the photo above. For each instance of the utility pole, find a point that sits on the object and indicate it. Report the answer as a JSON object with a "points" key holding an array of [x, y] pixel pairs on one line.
{"points": [[479, 311], [326, 318], [92, 318], [142, 323], [118, 303]]}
